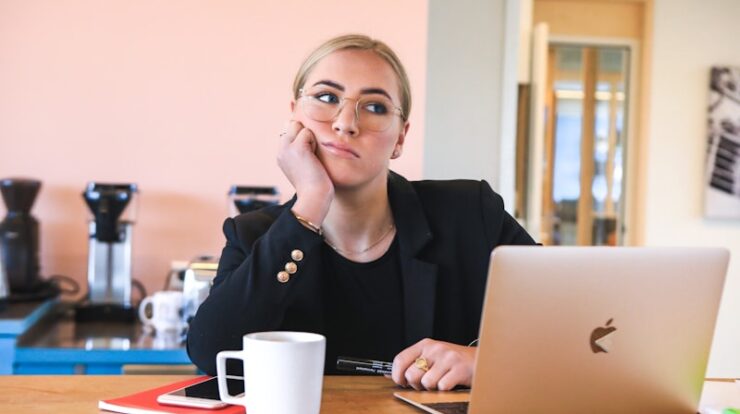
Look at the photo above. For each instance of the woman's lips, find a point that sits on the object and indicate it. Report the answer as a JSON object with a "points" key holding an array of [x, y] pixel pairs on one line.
{"points": [[340, 150]]}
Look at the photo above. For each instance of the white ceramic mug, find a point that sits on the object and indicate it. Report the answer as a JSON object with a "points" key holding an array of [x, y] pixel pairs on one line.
{"points": [[166, 310], [283, 372]]}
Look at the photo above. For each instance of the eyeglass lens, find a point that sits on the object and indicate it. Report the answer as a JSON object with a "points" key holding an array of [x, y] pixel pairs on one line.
{"points": [[373, 113]]}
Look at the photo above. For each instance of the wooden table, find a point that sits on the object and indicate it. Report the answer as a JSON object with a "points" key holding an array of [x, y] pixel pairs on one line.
{"points": [[75, 394], [79, 394]]}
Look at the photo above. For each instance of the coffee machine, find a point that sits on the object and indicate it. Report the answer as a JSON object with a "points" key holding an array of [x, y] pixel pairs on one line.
{"points": [[249, 198], [19, 242], [4, 289], [197, 282], [113, 210]]}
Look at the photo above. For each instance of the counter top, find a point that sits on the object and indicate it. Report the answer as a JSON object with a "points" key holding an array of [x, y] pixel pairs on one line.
{"points": [[60, 331], [59, 345], [17, 317]]}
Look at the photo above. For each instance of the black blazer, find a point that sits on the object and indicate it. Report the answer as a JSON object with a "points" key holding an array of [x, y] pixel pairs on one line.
{"points": [[446, 231]]}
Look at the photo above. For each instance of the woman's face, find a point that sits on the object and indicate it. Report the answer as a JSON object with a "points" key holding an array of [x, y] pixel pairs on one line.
{"points": [[354, 152]]}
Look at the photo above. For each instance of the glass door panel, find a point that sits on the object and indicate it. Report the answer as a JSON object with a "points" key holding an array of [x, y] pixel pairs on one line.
{"points": [[584, 145]]}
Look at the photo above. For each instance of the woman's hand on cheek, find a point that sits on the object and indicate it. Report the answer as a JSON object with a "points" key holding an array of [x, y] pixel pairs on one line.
{"points": [[449, 365], [297, 159]]}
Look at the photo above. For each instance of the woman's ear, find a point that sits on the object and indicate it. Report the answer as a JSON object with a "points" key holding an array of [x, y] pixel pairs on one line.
{"points": [[398, 149], [292, 106]]}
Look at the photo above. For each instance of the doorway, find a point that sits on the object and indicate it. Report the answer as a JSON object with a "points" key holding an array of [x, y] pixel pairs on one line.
{"points": [[585, 139]]}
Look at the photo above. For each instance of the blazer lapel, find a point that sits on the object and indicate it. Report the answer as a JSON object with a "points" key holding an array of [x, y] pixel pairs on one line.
{"points": [[419, 277]]}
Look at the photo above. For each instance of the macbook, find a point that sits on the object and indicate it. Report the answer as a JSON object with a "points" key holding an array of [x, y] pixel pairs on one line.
{"points": [[592, 329]]}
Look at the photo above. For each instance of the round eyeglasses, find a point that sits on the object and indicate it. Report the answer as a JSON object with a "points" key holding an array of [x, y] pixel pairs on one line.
{"points": [[373, 113]]}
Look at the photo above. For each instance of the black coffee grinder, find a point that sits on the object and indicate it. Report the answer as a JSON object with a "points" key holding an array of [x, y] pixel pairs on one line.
{"points": [[19, 242]]}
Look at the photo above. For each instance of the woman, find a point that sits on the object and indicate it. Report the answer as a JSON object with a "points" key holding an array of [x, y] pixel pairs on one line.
{"points": [[376, 263]]}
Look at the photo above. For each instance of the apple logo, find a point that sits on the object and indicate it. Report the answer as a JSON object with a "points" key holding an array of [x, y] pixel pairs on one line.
{"points": [[600, 338]]}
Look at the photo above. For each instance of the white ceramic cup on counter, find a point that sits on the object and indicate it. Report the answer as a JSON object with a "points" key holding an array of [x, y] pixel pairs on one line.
{"points": [[283, 372], [166, 311]]}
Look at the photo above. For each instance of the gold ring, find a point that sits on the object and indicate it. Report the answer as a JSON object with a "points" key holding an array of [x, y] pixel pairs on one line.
{"points": [[422, 364]]}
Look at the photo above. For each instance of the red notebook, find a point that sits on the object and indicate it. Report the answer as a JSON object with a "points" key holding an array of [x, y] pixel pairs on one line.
{"points": [[145, 402]]}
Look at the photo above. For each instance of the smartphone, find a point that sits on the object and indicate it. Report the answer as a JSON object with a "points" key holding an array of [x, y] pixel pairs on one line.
{"points": [[203, 394]]}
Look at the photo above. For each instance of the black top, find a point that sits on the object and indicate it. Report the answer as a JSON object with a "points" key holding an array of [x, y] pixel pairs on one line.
{"points": [[364, 308], [445, 232]]}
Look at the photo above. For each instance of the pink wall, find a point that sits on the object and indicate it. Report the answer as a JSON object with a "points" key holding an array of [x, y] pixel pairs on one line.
{"points": [[182, 97]]}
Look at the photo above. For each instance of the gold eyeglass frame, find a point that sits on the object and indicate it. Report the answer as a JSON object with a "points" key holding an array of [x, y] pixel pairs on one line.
{"points": [[342, 99]]}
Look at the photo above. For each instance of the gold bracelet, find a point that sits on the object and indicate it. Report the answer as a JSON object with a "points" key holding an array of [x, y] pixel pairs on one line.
{"points": [[307, 224]]}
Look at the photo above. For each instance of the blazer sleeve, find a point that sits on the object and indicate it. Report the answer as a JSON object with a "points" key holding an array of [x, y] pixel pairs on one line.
{"points": [[501, 227], [247, 296]]}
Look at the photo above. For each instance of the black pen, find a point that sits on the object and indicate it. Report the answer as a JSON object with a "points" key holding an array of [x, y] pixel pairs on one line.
{"points": [[365, 366]]}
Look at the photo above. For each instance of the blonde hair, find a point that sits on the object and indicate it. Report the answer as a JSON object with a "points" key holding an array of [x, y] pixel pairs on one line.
{"points": [[358, 42]]}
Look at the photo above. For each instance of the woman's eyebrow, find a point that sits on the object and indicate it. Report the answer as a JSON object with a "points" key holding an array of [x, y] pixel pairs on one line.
{"points": [[330, 84], [365, 91], [380, 91]]}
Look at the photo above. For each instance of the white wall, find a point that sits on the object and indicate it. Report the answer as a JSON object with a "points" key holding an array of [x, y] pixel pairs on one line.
{"points": [[471, 91], [689, 37]]}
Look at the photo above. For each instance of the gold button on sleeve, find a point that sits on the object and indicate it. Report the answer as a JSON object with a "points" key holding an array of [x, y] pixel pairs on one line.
{"points": [[291, 267], [296, 255], [283, 277]]}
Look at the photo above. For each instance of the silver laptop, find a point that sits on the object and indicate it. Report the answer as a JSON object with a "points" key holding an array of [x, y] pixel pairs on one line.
{"points": [[592, 329]]}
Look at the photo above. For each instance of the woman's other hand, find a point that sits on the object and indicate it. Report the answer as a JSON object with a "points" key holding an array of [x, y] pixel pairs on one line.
{"points": [[449, 365], [297, 158]]}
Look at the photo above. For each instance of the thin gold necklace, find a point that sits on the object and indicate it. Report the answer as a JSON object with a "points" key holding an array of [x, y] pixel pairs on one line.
{"points": [[390, 229]]}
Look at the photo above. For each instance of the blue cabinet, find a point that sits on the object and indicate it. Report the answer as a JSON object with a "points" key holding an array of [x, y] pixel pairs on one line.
{"points": [[56, 344], [50, 361], [15, 320]]}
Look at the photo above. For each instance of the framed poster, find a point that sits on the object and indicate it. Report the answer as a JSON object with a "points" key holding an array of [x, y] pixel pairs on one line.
{"points": [[722, 173]]}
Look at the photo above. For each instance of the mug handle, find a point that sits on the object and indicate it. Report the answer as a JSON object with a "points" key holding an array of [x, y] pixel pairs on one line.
{"points": [[223, 390], [142, 310]]}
